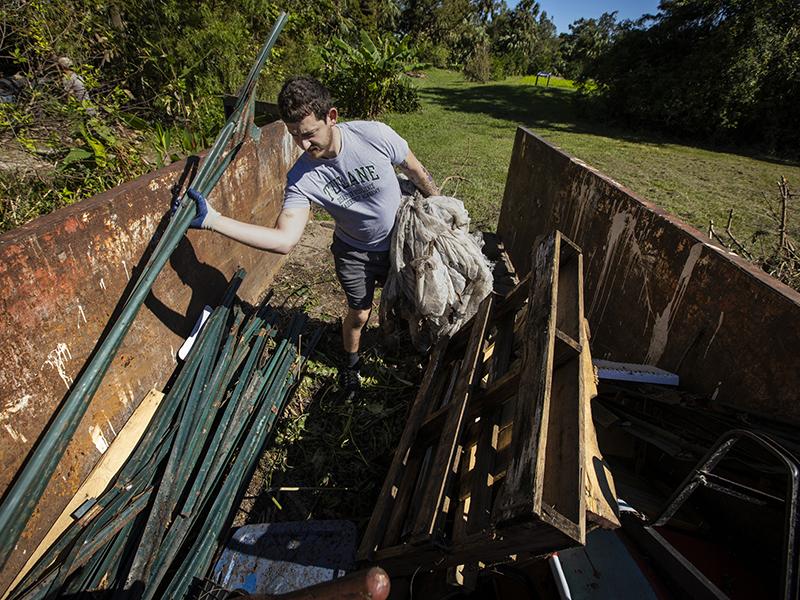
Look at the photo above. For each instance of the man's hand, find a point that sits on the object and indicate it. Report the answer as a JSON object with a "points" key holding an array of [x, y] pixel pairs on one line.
{"points": [[205, 212], [206, 215], [417, 173]]}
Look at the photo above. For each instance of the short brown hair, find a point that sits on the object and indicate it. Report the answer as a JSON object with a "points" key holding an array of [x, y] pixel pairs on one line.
{"points": [[301, 96]]}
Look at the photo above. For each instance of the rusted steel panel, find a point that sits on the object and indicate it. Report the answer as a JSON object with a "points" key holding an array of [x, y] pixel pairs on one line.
{"points": [[63, 276], [657, 291]]}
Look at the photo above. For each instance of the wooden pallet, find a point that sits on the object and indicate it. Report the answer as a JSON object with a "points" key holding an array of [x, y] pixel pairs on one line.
{"points": [[491, 462]]}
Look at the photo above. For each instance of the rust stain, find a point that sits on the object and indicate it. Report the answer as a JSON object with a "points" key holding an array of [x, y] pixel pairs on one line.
{"points": [[71, 225]]}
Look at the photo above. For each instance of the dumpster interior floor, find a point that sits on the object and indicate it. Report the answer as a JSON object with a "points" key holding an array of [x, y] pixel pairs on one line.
{"points": [[328, 455]]}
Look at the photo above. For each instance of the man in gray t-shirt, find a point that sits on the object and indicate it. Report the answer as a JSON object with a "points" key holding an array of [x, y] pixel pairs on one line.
{"points": [[348, 169]]}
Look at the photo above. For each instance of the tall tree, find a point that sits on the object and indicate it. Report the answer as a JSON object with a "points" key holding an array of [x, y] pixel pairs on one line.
{"points": [[725, 69], [586, 41], [524, 37]]}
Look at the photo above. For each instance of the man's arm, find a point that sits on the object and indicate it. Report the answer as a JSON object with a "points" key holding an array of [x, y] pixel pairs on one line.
{"points": [[281, 238], [417, 173]]}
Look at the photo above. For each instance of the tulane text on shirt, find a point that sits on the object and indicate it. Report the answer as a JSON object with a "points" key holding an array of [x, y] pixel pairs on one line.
{"points": [[339, 183]]}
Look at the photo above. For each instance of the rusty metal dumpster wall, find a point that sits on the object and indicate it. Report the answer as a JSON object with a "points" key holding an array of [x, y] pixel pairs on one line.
{"points": [[63, 277], [657, 290]]}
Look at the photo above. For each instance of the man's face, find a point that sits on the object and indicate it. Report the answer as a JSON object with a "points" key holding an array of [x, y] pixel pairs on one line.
{"points": [[315, 136]]}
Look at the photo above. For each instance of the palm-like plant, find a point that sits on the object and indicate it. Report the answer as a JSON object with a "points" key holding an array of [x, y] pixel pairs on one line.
{"points": [[366, 78]]}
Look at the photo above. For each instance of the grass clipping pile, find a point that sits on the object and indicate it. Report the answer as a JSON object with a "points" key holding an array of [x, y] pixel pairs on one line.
{"points": [[329, 454]]}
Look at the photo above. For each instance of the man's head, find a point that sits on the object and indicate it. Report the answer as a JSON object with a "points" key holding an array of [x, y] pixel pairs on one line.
{"points": [[306, 107]]}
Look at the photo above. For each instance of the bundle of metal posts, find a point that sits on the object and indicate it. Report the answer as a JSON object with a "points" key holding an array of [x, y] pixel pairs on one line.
{"points": [[158, 526], [22, 497]]}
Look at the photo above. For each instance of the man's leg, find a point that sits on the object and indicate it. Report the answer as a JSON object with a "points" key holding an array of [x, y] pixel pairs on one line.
{"points": [[358, 271], [354, 323]]}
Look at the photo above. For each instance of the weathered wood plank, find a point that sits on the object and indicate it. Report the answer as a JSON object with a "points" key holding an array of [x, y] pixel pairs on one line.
{"points": [[516, 496], [561, 488], [427, 520], [535, 537], [545, 478], [517, 408], [504, 381], [562, 476], [601, 493], [496, 393], [383, 508], [404, 492]]}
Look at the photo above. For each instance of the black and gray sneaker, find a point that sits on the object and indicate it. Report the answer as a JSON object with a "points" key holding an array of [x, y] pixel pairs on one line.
{"points": [[349, 379]]}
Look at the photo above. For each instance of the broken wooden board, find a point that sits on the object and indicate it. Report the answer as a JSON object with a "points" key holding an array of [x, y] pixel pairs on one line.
{"points": [[601, 493], [544, 478]]}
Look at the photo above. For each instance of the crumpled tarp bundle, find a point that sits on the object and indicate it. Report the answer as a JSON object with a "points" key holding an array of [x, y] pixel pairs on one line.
{"points": [[438, 275]]}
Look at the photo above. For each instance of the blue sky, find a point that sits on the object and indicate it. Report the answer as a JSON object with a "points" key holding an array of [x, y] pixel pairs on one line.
{"points": [[564, 12]]}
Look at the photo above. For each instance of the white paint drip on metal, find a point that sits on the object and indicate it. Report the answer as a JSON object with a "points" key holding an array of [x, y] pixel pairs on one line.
{"points": [[288, 146], [15, 435], [102, 284], [620, 235], [634, 258], [14, 407], [125, 266], [127, 397], [57, 360], [11, 408], [81, 315], [584, 195], [111, 221], [227, 576], [663, 323], [98, 439], [618, 225], [711, 341]]}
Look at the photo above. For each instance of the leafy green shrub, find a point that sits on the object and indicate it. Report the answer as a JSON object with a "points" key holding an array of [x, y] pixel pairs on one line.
{"points": [[479, 66], [367, 78], [498, 70], [404, 98], [432, 53]]}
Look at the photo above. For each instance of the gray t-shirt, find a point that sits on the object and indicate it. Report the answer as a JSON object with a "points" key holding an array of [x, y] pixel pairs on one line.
{"points": [[358, 188]]}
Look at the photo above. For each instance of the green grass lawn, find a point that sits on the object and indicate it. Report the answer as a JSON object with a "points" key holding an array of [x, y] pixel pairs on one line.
{"points": [[466, 131]]}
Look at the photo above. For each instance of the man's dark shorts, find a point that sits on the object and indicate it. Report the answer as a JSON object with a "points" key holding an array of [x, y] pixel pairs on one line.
{"points": [[358, 272]]}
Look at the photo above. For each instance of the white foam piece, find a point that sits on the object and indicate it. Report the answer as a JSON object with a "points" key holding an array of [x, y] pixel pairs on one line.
{"points": [[183, 352]]}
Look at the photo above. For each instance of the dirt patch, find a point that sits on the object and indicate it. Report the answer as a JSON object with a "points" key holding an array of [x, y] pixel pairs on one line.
{"points": [[308, 278]]}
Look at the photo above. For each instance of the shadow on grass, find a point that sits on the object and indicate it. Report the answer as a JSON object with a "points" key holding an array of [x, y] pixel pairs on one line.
{"points": [[524, 104], [559, 109]]}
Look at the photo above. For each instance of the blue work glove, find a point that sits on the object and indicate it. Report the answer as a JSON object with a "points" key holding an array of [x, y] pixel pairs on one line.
{"points": [[202, 208], [205, 212]]}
